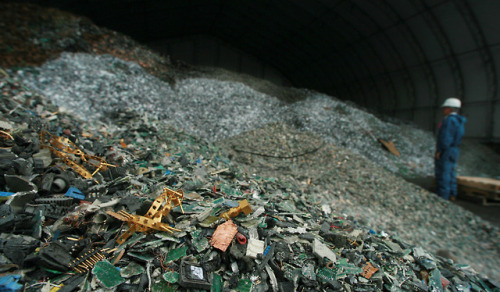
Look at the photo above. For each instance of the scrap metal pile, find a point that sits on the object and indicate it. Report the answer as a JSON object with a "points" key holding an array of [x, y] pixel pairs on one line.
{"points": [[99, 70], [116, 199], [194, 219]]}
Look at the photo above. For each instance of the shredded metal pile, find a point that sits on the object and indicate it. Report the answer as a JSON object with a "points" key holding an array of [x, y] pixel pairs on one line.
{"points": [[347, 181], [287, 237], [329, 208], [90, 85], [213, 109]]}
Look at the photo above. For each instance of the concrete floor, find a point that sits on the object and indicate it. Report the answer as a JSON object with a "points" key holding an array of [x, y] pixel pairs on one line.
{"points": [[489, 213]]}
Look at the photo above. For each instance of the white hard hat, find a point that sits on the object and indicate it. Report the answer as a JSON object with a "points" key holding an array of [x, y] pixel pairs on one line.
{"points": [[452, 102]]}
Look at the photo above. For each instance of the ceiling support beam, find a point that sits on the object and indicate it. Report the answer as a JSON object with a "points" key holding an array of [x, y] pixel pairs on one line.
{"points": [[419, 51], [446, 46], [487, 59]]}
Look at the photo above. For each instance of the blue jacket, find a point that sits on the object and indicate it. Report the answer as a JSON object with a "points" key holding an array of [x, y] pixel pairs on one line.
{"points": [[450, 135]]}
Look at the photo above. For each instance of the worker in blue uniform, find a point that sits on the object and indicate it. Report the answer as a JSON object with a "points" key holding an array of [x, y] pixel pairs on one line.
{"points": [[450, 133]]}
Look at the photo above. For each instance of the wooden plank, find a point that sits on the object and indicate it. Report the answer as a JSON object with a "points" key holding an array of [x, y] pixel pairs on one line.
{"points": [[485, 189], [389, 145], [479, 183], [485, 201], [479, 193]]}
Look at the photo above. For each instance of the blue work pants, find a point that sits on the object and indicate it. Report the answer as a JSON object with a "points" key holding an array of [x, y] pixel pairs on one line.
{"points": [[446, 177]]}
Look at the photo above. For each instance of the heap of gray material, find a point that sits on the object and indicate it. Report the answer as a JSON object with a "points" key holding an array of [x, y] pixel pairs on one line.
{"points": [[294, 162], [337, 179], [357, 130], [89, 85], [213, 109]]}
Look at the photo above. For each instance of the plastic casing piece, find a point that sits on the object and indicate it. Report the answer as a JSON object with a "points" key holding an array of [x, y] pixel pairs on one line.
{"points": [[192, 276]]}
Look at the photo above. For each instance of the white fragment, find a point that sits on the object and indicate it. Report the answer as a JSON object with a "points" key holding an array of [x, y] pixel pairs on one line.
{"points": [[254, 248], [298, 230], [272, 278], [204, 214], [321, 250], [326, 209], [197, 272], [6, 125]]}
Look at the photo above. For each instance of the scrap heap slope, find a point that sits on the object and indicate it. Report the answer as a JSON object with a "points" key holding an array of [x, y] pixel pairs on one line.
{"points": [[275, 188]]}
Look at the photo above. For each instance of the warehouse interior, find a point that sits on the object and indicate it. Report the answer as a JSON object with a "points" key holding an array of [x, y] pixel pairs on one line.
{"points": [[133, 133], [398, 58]]}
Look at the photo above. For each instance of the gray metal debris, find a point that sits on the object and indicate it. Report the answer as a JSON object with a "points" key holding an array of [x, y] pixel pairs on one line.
{"points": [[213, 109], [311, 199]]}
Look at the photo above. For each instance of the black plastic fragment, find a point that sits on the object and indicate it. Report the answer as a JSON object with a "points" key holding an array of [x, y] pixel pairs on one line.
{"points": [[55, 257], [192, 276]]}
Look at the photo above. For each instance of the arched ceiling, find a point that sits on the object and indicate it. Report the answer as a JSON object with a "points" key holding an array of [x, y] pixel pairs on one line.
{"points": [[401, 57]]}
